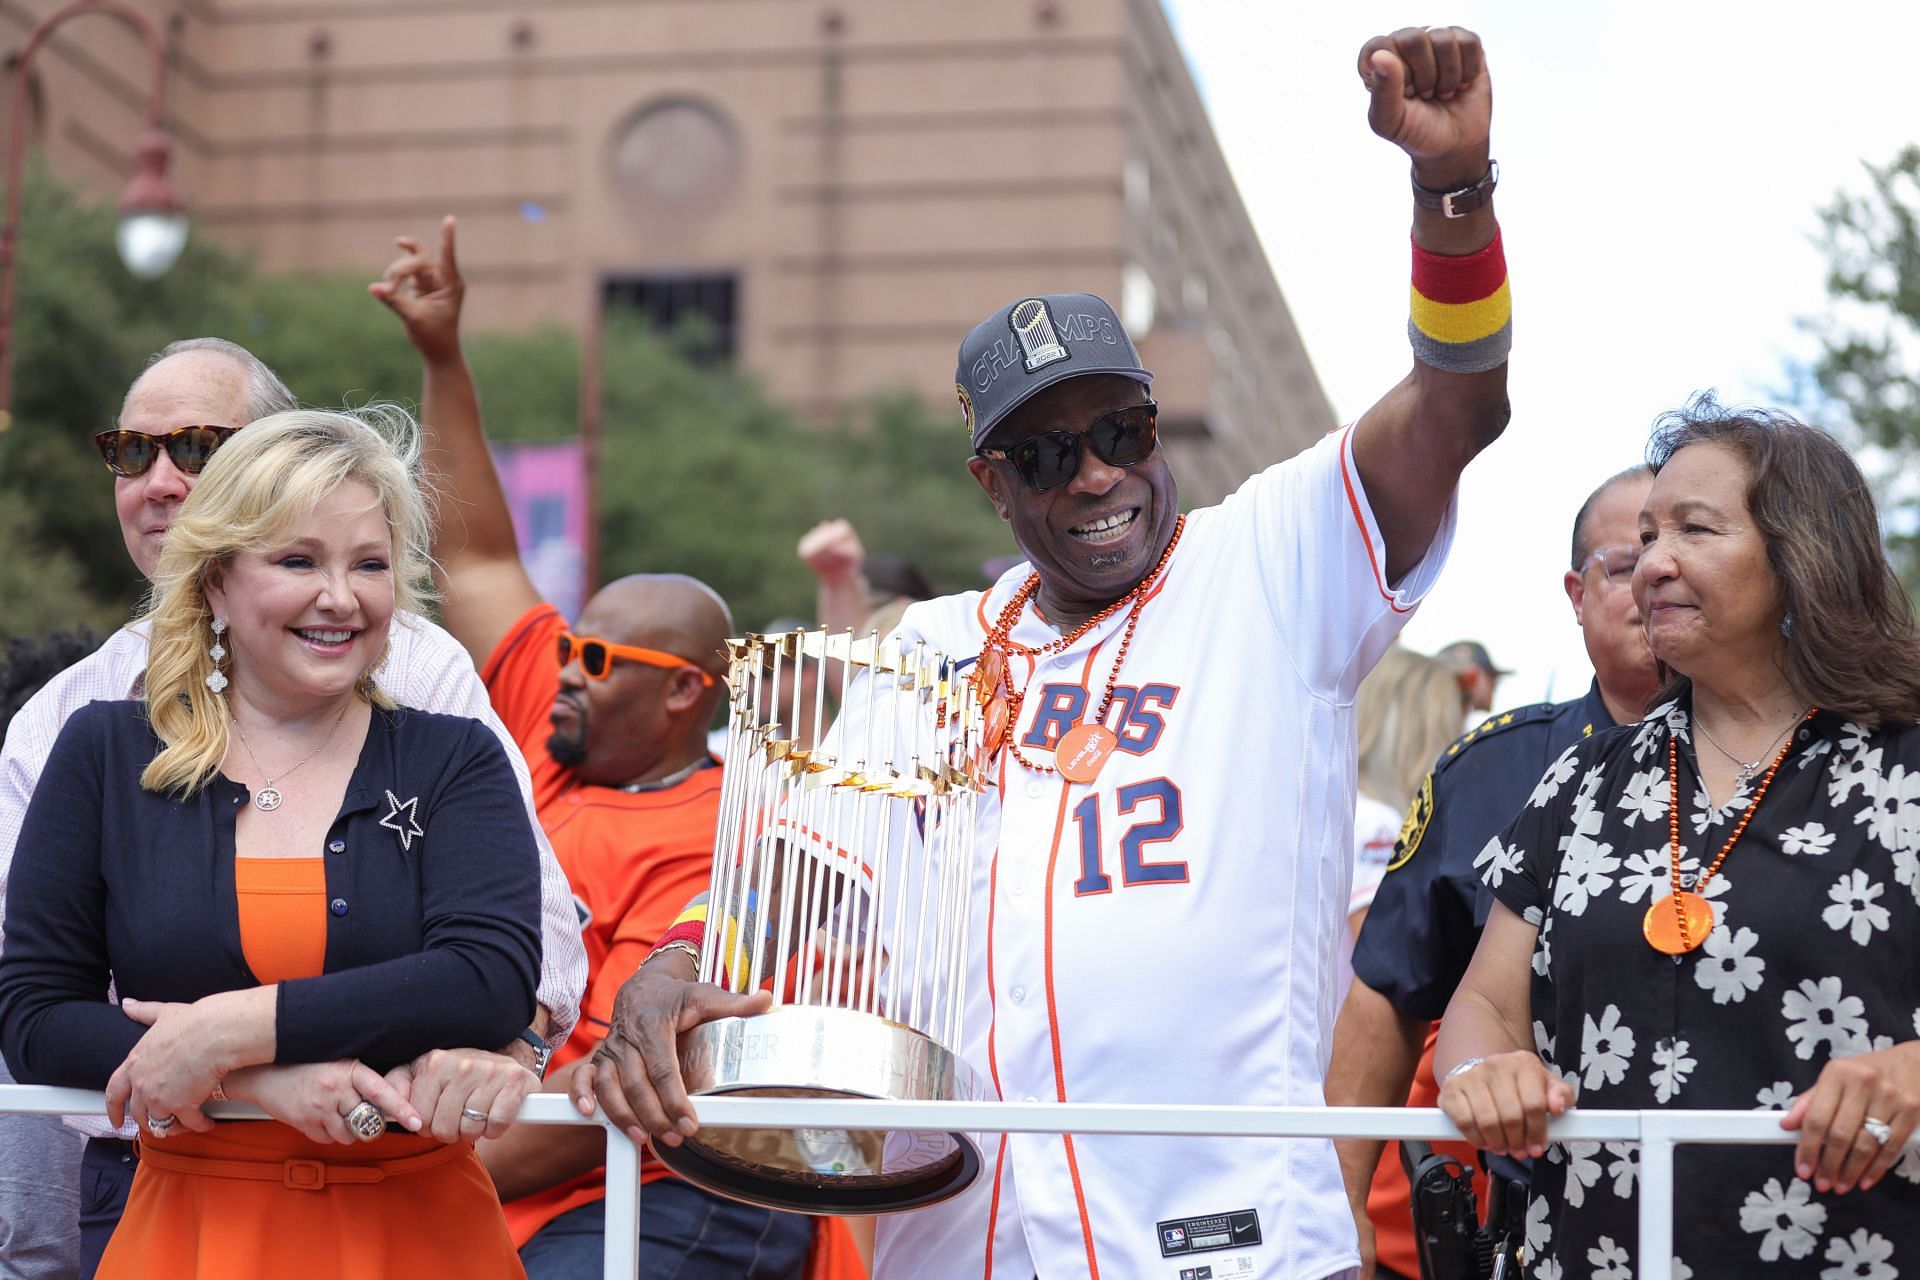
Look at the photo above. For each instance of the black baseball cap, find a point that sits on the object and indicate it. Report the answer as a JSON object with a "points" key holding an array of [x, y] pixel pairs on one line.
{"points": [[1027, 346]]}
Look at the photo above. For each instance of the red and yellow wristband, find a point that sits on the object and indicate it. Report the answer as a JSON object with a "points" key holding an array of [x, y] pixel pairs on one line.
{"points": [[689, 932], [1461, 313]]}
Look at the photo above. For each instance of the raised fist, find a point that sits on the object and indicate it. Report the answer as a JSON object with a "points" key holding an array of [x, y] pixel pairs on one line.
{"points": [[1431, 98]]}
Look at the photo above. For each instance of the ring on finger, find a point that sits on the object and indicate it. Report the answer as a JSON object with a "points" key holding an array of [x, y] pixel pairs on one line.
{"points": [[158, 1125], [469, 1113], [1879, 1130], [366, 1122]]}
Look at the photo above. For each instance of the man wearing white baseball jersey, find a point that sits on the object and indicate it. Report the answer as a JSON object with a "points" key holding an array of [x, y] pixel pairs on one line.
{"points": [[1169, 830]]}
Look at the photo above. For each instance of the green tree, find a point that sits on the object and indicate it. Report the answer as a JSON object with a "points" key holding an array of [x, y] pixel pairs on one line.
{"points": [[1866, 377]]}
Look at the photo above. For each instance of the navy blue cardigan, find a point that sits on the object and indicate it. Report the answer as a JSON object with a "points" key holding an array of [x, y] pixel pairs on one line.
{"points": [[431, 946]]}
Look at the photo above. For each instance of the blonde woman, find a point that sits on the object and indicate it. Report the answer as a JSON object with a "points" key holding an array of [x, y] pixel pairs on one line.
{"points": [[1407, 711], [295, 884]]}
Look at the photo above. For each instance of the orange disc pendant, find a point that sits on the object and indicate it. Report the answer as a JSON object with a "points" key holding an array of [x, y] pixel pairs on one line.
{"points": [[993, 731], [1661, 924], [1083, 751], [986, 677]]}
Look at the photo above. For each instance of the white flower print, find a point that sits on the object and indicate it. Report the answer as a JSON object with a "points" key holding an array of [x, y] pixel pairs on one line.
{"points": [[1860, 1256], [1648, 737], [1549, 1269], [1624, 1168], [1681, 1271], [1853, 766], [1786, 1220], [1649, 874], [1893, 820], [1539, 1230], [1855, 910], [1811, 839], [1606, 1048], [1818, 1012], [1645, 797], [1586, 868], [1777, 1096], [1862, 1044], [1909, 1166], [1542, 1042], [1555, 777], [1706, 816], [1906, 869], [1671, 1067], [1497, 861], [1583, 1171], [1813, 753], [1726, 969], [1609, 1261]]}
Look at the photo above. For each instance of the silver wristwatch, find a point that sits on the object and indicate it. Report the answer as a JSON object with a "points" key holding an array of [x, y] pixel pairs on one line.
{"points": [[542, 1051]]}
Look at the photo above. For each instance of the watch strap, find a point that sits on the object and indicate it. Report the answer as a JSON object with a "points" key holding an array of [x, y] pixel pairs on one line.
{"points": [[1460, 201], [542, 1051]]}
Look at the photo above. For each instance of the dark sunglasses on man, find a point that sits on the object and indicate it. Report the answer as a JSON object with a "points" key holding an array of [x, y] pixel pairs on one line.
{"points": [[1123, 438], [597, 657], [133, 453]]}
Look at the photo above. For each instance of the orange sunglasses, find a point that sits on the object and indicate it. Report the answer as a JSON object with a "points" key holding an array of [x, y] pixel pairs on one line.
{"points": [[597, 657]]}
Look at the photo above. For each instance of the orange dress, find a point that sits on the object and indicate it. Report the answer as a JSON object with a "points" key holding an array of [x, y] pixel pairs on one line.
{"points": [[255, 1198]]}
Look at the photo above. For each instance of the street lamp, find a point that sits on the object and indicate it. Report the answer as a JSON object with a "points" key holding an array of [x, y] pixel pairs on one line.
{"points": [[153, 225]]}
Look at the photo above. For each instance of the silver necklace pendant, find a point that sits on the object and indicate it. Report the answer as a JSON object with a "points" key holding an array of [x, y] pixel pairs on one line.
{"points": [[267, 799]]}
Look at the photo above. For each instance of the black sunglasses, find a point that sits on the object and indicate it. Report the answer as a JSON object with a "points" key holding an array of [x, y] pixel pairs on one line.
{"points": [[133, 453], [1122, 438]]}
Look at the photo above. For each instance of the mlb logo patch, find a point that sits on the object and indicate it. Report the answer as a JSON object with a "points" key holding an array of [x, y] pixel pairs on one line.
{"points": [[1196, 1273], [1174, 1236]]}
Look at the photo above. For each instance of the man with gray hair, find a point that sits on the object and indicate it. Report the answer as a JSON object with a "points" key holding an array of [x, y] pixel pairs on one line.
{"points": [[191, 397]]}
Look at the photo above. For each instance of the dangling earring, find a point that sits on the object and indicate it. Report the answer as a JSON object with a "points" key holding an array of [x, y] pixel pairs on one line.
{"points": [[1786, 624], [217, 680]]}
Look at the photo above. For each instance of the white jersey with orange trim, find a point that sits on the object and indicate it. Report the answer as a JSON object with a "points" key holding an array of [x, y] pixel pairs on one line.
{"points": [[1169, 932]]}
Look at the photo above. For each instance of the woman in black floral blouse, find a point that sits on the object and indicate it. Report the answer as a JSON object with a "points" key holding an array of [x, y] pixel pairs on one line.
{"points": [[1719, 907]]}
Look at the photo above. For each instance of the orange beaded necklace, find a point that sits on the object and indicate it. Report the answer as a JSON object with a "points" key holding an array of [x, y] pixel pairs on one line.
{"points": [[1679, 922], [1083, 749]]}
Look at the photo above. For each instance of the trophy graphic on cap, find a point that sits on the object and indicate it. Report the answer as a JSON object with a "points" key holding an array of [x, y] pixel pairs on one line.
{"points": [[1033, 325], [842, 882]]}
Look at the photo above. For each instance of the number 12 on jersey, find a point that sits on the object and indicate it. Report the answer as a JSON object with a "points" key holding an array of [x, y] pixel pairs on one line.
{"points": [[1157, 801]]}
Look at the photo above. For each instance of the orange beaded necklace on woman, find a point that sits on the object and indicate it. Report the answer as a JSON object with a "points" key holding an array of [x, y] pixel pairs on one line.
{"points": [[1083, 749], [1679, 922]]}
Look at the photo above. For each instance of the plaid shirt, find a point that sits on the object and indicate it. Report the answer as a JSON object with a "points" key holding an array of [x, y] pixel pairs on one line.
{"points": [[425, 668]]}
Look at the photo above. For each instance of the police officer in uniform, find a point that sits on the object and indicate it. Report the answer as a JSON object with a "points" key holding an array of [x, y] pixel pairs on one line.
{"points": [[1426, 919]]}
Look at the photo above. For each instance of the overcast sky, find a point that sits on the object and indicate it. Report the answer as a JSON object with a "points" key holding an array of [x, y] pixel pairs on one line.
{"points": [[1661, 167]]}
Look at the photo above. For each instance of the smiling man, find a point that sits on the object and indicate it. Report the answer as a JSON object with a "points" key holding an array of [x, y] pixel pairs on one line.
{"points": [[192, 396], [1169, 830]]}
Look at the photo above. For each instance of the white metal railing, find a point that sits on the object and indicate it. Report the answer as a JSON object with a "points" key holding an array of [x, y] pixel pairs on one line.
{"points": [[1657, 1132]]}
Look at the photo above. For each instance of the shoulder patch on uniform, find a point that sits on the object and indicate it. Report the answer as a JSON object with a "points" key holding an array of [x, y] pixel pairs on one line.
{"points": [[1414, 829], [1496, 724]]}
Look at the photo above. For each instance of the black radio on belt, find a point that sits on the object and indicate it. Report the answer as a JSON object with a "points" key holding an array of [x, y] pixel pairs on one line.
{"points": [[1448, 1234], [1446, 1219]]}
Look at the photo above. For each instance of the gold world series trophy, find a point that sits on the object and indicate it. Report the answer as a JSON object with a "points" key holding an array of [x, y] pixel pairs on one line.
{"points": [[843, 883]]}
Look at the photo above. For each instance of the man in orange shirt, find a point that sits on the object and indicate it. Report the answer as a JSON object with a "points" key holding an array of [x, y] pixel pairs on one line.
{"points": [[612, 717]]}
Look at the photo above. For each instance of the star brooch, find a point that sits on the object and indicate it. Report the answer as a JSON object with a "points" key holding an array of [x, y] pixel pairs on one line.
{"points": [[401, 820]]}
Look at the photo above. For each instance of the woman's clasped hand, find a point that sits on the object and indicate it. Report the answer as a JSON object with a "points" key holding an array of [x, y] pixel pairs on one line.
{"points": [[1855, 1121], [1501, 1104]]}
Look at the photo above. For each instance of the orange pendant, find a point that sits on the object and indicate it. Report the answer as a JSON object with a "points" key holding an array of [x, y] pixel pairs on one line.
{"points": [[1661, 924], [986, 676], [1083, 751], [993, 732]]}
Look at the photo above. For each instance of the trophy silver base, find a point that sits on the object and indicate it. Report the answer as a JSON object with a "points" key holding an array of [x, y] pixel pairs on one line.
{"points": [[798, 1051]]}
